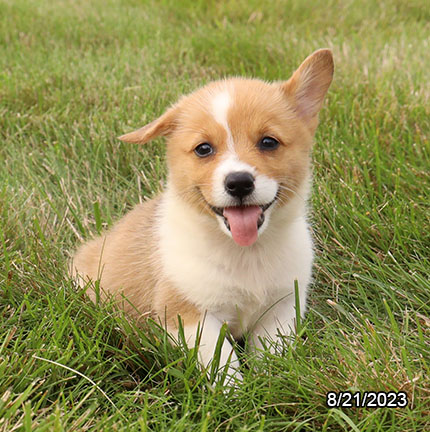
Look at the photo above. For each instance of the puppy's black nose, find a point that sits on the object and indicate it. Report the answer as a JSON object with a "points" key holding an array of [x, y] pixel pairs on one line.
{"points": [[239, 184]]}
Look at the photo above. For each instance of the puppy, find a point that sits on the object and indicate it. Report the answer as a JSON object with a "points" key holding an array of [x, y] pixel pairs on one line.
{"points": [[227, 239]]}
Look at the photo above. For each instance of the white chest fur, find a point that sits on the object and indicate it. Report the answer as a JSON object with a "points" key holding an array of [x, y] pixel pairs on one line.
{"points": [[236, 284]]}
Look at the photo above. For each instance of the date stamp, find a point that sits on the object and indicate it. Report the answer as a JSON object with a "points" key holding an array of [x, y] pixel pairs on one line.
{"points": [[367, 399]]}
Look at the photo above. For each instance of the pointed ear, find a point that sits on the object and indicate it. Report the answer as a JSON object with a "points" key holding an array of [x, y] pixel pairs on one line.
{"points": [[163, 126], [310, 82]]}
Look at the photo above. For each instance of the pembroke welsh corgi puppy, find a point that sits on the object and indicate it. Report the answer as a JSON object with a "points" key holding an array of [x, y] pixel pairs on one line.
{"points": [[227, 239]]}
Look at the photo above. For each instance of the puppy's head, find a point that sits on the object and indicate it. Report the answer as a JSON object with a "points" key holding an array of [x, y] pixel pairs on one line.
{"points": [[239, 148]]}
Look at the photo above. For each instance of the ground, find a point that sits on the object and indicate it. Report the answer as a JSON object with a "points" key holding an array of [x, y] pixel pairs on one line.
{"points": [[74, 75]]}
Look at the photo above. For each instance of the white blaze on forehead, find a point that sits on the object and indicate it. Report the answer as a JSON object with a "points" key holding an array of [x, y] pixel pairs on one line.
{"points": [[220, 105]]}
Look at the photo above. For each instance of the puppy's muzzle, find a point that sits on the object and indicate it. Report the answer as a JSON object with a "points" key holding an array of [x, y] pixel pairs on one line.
{"points": [[239, 184]]}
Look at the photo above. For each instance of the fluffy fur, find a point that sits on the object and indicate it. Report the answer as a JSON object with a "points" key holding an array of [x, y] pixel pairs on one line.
{"points": [[176, 256]]}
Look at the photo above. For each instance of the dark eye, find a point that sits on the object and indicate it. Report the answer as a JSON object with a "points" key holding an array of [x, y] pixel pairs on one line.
{"points": [[268, 143], [204, 150]]}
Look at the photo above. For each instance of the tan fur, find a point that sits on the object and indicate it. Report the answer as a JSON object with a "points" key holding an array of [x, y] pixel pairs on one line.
{"points": [[127, 258], [124, 259]]}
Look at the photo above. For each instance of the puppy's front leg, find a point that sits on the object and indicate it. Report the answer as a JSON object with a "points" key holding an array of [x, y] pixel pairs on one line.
{"points": [[277, 322], [207, 330], [169, 305]]}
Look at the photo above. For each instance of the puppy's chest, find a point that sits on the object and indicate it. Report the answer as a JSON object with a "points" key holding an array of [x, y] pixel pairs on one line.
{"points": [[219, 280], [236, 291]]}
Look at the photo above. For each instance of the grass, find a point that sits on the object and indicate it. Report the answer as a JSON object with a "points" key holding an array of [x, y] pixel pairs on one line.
{"points": [[76, 74]]}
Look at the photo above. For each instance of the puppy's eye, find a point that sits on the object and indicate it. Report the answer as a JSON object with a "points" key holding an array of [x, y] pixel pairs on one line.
{"points": [[204, 150], [268, 143]]}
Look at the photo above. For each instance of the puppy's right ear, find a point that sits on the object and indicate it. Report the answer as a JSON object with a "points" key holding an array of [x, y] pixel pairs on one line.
{"points": [[163, 126]]}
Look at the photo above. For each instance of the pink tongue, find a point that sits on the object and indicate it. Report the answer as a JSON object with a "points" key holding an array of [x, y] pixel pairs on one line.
{"points": [[243, 223]]}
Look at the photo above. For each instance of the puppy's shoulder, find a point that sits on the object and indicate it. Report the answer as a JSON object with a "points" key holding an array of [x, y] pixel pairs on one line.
{"points": [[142, 217]]}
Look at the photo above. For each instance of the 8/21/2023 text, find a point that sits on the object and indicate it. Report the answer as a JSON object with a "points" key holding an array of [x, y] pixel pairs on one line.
{"points": [[371, 399]]}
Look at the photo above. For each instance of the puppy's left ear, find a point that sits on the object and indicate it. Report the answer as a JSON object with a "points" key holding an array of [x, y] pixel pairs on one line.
{"points": [[163, 126], [309, 84]]}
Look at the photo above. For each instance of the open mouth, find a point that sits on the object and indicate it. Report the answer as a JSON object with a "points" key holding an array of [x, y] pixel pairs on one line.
{"points": [[243, 221], [220, 212]]}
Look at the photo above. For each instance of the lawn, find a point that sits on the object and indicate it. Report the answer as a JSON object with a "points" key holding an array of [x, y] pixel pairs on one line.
{"points": [[74, 75]]}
